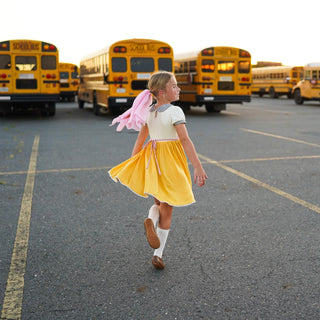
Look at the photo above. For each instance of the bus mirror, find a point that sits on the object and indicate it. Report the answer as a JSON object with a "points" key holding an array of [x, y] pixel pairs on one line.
{"points": [[106, 78]]}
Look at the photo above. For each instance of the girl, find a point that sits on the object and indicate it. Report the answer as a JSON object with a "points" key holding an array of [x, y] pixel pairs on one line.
{"points": [[160, 167]]}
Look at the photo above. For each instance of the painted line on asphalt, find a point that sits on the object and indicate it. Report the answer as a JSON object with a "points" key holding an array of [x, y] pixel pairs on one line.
{"points": [[55, 170], [262, 184], [13, 296], [270, 159], [281, 137]]}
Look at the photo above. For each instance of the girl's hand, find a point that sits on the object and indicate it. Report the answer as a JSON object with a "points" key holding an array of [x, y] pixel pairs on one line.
{"points": [[200, 176]]}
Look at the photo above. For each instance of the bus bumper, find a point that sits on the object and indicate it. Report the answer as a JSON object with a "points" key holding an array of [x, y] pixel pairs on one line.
{"points": [[28, 98], [120, 103], [203, 99]]}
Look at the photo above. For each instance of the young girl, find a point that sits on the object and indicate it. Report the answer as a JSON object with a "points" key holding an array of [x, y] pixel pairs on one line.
{"points": [[159, 168]]}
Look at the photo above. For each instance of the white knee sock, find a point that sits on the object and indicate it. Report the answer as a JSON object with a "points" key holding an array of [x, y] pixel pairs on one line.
{"points": [[154, 214], [163, 235]]}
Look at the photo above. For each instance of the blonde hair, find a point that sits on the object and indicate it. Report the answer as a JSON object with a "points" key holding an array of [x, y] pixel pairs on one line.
{"points": [[158, 81]]}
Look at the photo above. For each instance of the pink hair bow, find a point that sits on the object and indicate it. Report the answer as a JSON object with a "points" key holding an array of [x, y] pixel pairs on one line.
{"points": [[136, 116]]}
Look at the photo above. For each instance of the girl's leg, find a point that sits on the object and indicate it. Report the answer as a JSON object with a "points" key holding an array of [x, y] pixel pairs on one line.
{"points": [[162, 231], [154, 212], [150, 225], [165, 216]]}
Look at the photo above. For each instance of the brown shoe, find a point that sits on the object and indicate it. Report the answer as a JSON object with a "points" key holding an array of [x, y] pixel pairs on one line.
{"points": [[157, 262], [151, 234]]}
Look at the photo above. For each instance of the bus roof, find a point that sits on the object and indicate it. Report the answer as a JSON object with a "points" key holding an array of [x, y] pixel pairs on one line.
{"points": [[133, 40], [313, 64]]}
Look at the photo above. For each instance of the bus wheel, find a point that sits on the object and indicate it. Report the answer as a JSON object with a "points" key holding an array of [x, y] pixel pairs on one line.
{"points": [[96, 107], [52, 109], [215, 107], [80, 104], [272, 93], [297, 97]]}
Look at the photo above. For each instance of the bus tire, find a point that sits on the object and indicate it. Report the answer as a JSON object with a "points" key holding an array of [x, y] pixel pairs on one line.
{"points": [[96, 107], [212, 107], [272, 93], [80, 103], [52, 109], [297, 97]]}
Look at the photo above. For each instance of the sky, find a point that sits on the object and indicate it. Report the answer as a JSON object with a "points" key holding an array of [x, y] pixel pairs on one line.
{"points": [[274, 30]]}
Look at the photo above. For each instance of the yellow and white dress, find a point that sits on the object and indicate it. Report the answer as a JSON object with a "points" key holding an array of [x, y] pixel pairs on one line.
{"points": [[160, 169]]}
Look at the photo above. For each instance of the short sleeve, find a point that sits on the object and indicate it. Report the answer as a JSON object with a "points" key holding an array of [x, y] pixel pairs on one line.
{"points": [[177, 116]]}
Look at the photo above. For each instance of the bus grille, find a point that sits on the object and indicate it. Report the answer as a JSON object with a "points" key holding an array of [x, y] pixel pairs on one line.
{"points": [[26, 83], [64, 85], [226, 85], [139, 84]]}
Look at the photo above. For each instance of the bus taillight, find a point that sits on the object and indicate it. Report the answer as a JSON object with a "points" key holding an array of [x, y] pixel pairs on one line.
{"points": [[121, 49], [48, 47], [207, 52], [244, 53], [3, 76], [5, 46], [164, 50], [50, 76], [245, 79]]}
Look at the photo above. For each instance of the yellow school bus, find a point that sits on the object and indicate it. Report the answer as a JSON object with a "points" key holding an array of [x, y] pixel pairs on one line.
{"points": [[112, 77], [69, 81], [275, 81], [29, 76], [213, 77], [308, 88]]}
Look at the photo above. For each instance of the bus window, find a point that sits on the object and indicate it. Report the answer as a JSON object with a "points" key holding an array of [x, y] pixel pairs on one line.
{"points": [[142, 64], [5, 61], [308, 75], [207, 65], [193, 67], [74, 75], [165, 64], [226, 67], [244, 66], [48, 62], [314, 74], [119, 65], [64, 75], [185, 67], [26, 63]]}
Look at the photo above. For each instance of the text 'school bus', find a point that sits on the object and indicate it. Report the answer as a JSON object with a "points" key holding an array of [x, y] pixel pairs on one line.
{"points": [[213, 77], [111, 78], [69, 81], [309, 87], [275, 81], [29, 76]]}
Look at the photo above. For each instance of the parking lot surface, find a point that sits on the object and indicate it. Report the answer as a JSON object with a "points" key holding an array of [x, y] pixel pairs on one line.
{"points": [[72, 243]]}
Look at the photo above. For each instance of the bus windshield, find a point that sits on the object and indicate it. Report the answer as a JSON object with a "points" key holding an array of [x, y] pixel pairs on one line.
{"points": [[26, 63], [5, 61], [142, 64]]}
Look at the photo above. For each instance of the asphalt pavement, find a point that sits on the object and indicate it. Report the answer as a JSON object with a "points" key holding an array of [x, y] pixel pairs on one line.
{"points": [[72, 243]]}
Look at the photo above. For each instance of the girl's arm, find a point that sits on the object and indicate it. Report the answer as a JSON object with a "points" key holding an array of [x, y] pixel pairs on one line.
{"points": [[199, 174], [142, 136]]}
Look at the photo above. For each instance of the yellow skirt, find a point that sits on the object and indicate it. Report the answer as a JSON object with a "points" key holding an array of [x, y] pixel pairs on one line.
{"points": [[160, 170]]}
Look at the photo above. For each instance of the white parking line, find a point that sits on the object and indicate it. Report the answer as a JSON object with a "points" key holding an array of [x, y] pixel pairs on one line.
{"points": [[12, 303], [262, 184]]}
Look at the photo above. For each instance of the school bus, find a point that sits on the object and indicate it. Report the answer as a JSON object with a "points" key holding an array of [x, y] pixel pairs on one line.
{"points": [[275, 81], [309, 87], [29, 76], [112, 77], [69, 81], [213, 77]]}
